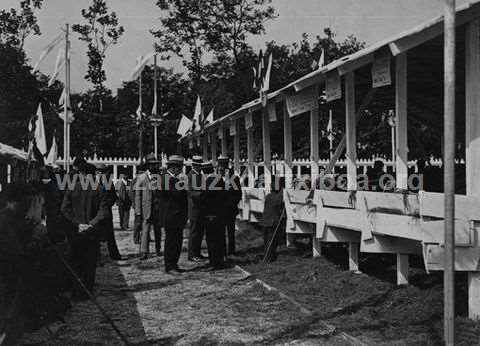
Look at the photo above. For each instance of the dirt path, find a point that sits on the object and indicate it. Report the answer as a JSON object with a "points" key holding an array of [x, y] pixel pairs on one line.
{"points": [[197, 308]]}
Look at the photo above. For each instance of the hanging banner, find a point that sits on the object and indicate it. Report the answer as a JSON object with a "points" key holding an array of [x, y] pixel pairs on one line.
{"points": [[272, 112], [190, 144], [333, 86], [232, 129], [220, 132], [248, 120], [381, 75], [302, 102], [198, 141], [209, 138]]}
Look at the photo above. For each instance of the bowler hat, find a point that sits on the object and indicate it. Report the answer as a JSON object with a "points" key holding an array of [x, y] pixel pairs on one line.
{"points": [[175, 160], [197, 160]]}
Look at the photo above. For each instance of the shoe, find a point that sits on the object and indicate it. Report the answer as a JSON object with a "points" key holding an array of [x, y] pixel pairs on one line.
{"points": [[197, 259], [143, 257], [172, 271], [203, 257], [180, 270], [117, 258]]}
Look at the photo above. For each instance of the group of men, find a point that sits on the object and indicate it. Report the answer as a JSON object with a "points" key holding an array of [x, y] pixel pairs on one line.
{"points": [[206, 197]]}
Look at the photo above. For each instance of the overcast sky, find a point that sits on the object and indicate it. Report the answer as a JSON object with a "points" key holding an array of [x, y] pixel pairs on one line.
{"points": [[369, 20]]}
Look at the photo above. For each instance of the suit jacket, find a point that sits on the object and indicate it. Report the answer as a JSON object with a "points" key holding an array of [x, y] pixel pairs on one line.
{"points": [[234, 195], [194, 191], [213, 199], [172, 202], [85, 206], [123, 195], [143, 196]]}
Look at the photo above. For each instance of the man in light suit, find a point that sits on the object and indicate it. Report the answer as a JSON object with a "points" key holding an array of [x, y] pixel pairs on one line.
{"points": [[145, 208]]}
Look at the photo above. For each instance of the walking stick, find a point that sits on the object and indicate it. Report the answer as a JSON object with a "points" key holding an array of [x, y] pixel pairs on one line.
{"points": [[273, 236], [92, 298]]}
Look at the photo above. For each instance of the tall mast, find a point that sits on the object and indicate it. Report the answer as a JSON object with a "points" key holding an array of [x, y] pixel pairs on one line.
{"points": [[155, 107], [66, 126]]}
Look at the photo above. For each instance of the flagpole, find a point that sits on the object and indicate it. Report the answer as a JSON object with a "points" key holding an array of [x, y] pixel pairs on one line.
{"points": [[140, 135], [66, 154], [154, 111], [67, 102]]}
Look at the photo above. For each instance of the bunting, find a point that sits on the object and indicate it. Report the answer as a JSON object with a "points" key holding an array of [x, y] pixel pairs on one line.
{"points": [[59, 62], [141, 62], [53, 154], [47, 50], [184, 126]]}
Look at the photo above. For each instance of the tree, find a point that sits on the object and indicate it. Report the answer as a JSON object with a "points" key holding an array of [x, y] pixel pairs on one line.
{"points": [[17, 25], [101, 31]]}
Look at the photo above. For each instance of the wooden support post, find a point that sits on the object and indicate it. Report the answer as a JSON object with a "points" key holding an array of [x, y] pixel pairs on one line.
{"points": [[115, 172], [214, 148], [134, 171], [353, 251], [205, 146], [314, 170], [351, 136], [472, 139], [9, 174], [224, 140], [317, 246], [402, 269], [251, 158], [236, 148], [267, 153], [401, 121]]}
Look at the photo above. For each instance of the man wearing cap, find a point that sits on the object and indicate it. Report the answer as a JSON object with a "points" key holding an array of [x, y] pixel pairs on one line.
{"points": [[85, 209], [197, 221], [173, 210], [108, 188], [145, 208], [212, 206], [233, 197]]}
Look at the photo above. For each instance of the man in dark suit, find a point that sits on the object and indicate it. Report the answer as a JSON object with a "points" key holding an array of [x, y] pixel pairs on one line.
{"points": [[197, 219], [232, 198], [85, 208], [137, 222], [145, 208], [213, 207], [123, 202], [173, 208]]}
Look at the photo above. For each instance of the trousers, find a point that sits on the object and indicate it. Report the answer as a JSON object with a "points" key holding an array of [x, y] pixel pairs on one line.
{"points": [[197, 231], [215, 236], [230, 228], [173, 246], [145, 237], [83, 259]]}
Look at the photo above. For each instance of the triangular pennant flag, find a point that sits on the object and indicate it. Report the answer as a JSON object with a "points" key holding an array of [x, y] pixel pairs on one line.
{"points": [[61, 100], [40, 139], [184, 126], [329, 127], [155, 106], [321, 61], [138, 112], [52, 154], [197, 114], [137, 70], [209, 118], [47, 50]]}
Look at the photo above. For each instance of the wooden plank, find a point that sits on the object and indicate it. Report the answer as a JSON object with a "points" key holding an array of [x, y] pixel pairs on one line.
{"points": [[314, 143], [256, 206], [343, 218], [337, 199], [466, 207], [466, 258], [297, 196], [401, 226], [392, 245], [287, 145], [251, 158], [396, 203], [432, 232], [353, 252], [305, 213], [401, 121], [351, 131], [402, 269], [355, 64], [340, 235], [236, 148]]}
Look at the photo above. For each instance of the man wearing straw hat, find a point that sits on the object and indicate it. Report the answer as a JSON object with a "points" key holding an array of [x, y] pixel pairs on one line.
{"points": [[173, 210]]}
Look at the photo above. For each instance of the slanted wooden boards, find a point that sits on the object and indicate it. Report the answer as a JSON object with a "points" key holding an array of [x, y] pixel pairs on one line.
{"points": [[333, 86], [302, 102]]}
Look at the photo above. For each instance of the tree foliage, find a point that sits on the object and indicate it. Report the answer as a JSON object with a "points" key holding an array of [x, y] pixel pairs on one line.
{"points": [[100, 32], [17, 25]]}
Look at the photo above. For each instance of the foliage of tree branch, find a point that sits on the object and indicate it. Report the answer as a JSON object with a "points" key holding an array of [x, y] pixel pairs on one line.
{"points": [[17, 25]]}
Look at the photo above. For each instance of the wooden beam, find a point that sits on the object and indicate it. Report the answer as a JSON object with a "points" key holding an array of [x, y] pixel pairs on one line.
{"points": [[287, 145], [224, 140], [267, 153], [214, 148], [355, 64], [472, 138], [402, 269], [236, 148], [341, 146], [351, 133], [353, 251], [251, 157], [314, 145], [401, 121]]}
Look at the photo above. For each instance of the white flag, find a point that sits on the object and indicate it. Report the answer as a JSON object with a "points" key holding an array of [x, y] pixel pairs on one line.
{"points": [[266, 80], [71, 118], [197, 114], [138, 112], [47, 50], [329, 127], [59, 62], [184, 126], [40, 139], [209, 118], [141, 62], [52, 154]]}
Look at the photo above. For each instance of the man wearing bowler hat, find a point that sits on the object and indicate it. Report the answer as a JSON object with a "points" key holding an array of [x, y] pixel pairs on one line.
{"points": [[173, 209], [145, 207], [197, 220], [232, 197]]}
